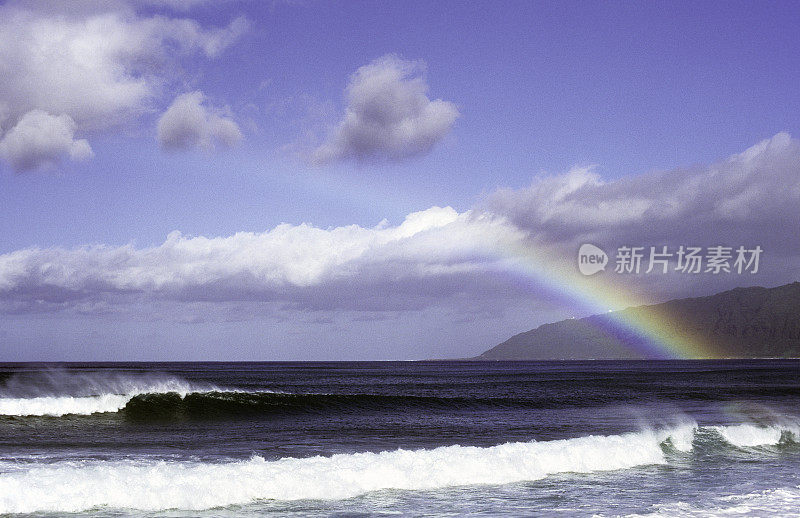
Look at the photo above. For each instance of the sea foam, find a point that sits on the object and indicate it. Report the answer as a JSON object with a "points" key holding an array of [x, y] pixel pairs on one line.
{"points": [[775, 502], [751, 435], [58, 393], [70, 486], [63, 405]]}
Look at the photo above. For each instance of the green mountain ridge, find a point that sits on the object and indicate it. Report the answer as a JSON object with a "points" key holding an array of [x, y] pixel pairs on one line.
{"points": [[753, 322]]}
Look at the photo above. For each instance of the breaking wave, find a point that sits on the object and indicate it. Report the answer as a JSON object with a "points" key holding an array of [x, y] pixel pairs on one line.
{"points": [[146, 396], [157, 397], [58, 393], [149, 485], [155, 485], [238, 404], [179, 400]]}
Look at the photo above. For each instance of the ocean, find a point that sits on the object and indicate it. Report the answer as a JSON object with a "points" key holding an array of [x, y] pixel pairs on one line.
{"points": [[598, 438]]}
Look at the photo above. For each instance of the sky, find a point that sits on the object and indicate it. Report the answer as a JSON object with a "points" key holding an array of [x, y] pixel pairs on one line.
{"points": [[308, 180]]}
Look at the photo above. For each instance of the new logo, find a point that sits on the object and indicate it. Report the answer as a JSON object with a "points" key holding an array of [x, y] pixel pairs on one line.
{"points": [[591, 259]]}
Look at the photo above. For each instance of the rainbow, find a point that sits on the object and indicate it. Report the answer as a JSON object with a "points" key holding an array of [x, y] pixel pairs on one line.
{"points": [[646, 331]]}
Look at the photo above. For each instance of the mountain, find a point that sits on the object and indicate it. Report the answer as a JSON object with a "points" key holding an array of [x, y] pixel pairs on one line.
{"points": [[741, 323]]}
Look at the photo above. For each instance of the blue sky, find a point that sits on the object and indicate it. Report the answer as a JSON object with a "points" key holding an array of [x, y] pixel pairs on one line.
{"points": [[516, 91]]}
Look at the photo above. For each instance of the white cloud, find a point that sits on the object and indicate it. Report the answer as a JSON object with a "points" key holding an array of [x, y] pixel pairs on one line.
{"points": [[177, 5], [101, 64], [749, 199], [98, 67], [750, 195], [298, 264], [388, 115], [40, 140], [442, 258], [188, 123]]}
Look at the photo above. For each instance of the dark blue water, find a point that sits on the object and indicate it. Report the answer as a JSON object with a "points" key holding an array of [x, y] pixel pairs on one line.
{"points": [[434, 438]]}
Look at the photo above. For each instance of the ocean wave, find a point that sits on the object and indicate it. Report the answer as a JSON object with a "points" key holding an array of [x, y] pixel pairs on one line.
{"points": [[176, 399], [151, 485], [775, 502], [749, 435], [233, 404], [743, 436], [58, 393], [152, 396], [57, 406], [165, 401], [156, 485]]}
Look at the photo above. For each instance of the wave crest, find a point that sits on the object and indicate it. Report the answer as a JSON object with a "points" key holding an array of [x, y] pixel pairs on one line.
{"points": [[749, 435], [58, 392], [156, 485]]}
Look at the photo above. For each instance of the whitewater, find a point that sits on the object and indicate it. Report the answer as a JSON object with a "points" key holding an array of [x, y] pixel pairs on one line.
{"points": [[160, 485], [96, 394], [440, 438]]}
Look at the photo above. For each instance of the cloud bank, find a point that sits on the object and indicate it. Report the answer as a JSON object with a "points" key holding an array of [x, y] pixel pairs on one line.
{"points": [[89, 69], [388, 115], [439, 257], [294, 264], [751, 196]]}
